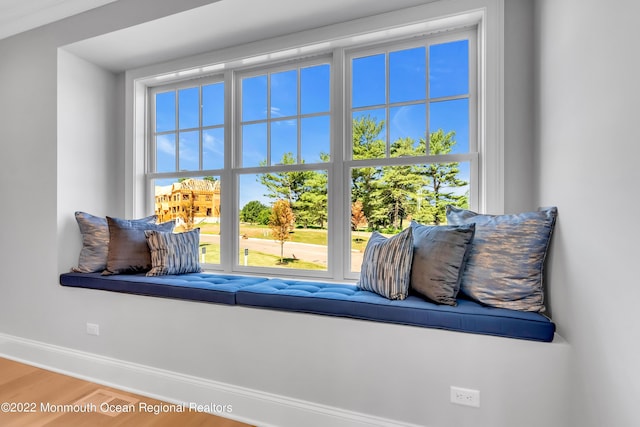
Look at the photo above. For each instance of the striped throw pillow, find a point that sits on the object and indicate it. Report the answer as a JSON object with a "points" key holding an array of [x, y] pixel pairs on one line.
{"points": [[173, 253], [386, 266]]}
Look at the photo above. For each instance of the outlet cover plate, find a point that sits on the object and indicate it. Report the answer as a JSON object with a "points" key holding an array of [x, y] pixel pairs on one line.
{"points": [[465, 396], [93, 329]]}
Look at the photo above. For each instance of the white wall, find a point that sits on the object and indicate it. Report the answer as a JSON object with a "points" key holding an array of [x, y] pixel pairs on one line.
{"points": [[587, 143], [394, 372], [28, 174], [30, 148], [89, 149], [519, 185]]}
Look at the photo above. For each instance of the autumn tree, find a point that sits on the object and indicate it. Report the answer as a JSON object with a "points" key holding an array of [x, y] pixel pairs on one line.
{"points": [[188, 210], [281, 222], [358, 218]]}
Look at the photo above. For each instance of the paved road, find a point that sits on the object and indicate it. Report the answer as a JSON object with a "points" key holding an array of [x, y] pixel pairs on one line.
{"points": [[302, 251]]}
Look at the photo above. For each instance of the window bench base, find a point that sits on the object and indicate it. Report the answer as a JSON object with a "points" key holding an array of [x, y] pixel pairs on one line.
{"points": [[331, 299]]}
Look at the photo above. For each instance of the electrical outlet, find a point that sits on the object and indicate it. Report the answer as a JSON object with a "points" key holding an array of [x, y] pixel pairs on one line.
{"points": [[465, 396], [93, 329]]}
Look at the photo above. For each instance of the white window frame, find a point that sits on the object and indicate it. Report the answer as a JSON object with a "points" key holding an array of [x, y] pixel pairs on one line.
{"points": [[268, 70], [238, 169], [151, 151], [488, 19], [472, 156]]}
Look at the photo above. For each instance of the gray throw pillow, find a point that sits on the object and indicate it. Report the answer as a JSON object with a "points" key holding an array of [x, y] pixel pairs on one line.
{"points": [[173, 253], [128, 249], [506, 262], [439, 255], [386, 265], [95, 241]]}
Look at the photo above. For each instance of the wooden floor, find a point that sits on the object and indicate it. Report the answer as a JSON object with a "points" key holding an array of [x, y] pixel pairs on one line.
{"points": [[35, 397]]}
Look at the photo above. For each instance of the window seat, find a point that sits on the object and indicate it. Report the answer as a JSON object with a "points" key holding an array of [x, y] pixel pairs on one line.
{"points": [[217, 288], [342, 300]]}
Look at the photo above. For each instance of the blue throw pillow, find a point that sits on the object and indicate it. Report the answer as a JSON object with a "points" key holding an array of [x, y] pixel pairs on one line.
{"points": [[386, 265], [507, 257], [173, 253], [128, 249], [439, 256], [95, 241]]}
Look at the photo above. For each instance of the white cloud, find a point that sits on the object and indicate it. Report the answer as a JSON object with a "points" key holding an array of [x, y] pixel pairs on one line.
{"points": [[166, 144]]}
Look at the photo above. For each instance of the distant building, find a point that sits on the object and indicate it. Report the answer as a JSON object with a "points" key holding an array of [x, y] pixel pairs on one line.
{"points": [[189, 201]]}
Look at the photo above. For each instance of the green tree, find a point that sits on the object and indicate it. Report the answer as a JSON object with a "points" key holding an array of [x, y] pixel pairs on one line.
{"points": [[367, 144], [390, 194], [398, 186], [306, 191], [285, 185], [441, 180], [254, 212], [281, 222], [311, 208]]}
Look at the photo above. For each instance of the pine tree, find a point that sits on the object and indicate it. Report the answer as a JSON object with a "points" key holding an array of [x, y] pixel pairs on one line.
{"points": [[305, 190], [442, 180], [367, 144]]}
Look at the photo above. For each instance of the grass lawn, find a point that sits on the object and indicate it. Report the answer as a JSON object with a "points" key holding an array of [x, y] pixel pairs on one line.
{"points": [[300, 235], [312, 236], [259, 259]]}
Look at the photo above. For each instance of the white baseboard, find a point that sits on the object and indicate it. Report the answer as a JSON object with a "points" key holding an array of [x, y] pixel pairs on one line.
{"points": [[247, 405]]}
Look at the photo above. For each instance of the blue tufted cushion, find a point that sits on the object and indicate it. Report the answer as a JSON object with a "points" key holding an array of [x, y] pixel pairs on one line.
{"points": [[216, 288], [331, 299], [506, 261], [95, 241], [173, 253], [346, 300], [386, 264]]}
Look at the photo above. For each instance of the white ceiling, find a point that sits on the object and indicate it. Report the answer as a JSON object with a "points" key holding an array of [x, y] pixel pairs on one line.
{"points": [[218, 25], [17, 16], [222, 24]]}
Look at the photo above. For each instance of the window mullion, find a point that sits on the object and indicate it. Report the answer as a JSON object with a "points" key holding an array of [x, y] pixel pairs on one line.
{"points": [[200, 131], [152, 134], [427, 136], [177, 131], [268, 121], [387, 107], [338, 199], [229, 189], [299, 111]]}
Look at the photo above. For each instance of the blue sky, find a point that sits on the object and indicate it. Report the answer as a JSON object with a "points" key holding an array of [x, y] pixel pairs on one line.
{"points": [[408, 82]]}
